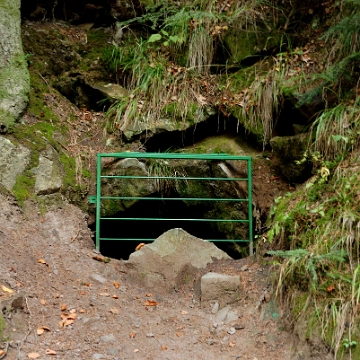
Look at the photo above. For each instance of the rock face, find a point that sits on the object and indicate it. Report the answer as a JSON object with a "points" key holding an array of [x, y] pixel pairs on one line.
{"points": [[14, 76], [13, 161], [172, 259]]}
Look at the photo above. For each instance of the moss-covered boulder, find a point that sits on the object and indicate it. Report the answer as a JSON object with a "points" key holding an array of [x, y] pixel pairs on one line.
{"points": [[14, 76]]}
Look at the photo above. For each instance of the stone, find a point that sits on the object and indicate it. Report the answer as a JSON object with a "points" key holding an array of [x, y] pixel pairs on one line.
{"points": [[13, 161], [227, 315], [172, 260], [98, 278], [108, 338], [49, 178], [14, 74], [112, 352], [98, 356], [224, 289], [215, 308]]}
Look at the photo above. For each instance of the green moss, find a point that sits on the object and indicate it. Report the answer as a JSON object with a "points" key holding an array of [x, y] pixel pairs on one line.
{"points": [[24, 187]]}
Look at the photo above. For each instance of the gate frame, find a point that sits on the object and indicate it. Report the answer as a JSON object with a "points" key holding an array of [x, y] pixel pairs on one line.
{"points": [[137, 155]]}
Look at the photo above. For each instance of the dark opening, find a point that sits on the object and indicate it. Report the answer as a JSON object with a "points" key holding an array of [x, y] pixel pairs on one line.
{"points": [[144, 229]]}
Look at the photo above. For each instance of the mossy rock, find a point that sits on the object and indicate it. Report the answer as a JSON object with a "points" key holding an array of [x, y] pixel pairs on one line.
{"points": [[288, 151]]}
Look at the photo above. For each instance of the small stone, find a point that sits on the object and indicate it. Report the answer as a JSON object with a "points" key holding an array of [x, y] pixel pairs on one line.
{"points": [[108, 338], [98, 356], [244, 268], [113, 352], [150, 335], [231, 331], [98, 278], [239, 327], [215, 308]]}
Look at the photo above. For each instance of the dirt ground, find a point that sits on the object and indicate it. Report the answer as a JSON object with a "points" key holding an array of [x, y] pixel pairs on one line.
{"points": [[75, 307]]}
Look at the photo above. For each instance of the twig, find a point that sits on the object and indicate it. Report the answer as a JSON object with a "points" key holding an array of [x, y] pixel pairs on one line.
{"points": [[6, 349], [21, 343], [27, 305]]}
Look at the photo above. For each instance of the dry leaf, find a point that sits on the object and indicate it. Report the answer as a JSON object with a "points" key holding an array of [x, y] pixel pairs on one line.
{"points": [[149, 295], [57, 296], [139, 246], [132, 335], [63, 307], [42, 329], [178, 334], [41, 261], [43, 302], [151, 303], [72, 311], [330, 288], [82, 292], [115, 297], [67, 319], [4, 288], [231, 344], [2, 352], [114, 311], [163, 347], [82, 311], [101, 258], [116, 284], [136, 350], [19, 284], [50, 352], [104, 294], [183, 312], [33, 355]]}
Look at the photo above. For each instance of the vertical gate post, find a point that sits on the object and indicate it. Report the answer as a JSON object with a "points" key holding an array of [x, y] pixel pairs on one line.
{"points": [[251, 245]]}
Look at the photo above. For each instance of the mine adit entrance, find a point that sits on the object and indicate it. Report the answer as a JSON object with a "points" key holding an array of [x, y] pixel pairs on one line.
{"points": [[142, 195]]}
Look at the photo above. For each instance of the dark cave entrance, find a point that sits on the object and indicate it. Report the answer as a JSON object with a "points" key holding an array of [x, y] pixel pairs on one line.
{"points": [[144, 229]]}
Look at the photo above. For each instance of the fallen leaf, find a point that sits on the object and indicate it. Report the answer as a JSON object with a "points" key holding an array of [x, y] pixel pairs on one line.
{"points": [[136, 350], [33, 355], [2, 352], [63, 307], [330, 288], [50, 352], [64, 322], [72, 311], [151, 303], [183, 312], [104, 294], [41, 261], [19, 284], [67, 319], [101, 258], [42, 329], [115, 297], [82, 292], [163, 347], [178, 334], [4, 288], [149, 295], [114, 311], [57, 296], [231, 344], [82, 311], [132, 335], [139, 246], [116, 284]]}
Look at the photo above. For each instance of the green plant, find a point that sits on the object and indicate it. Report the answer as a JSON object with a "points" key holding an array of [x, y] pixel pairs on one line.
{"points": [[348, 344]]}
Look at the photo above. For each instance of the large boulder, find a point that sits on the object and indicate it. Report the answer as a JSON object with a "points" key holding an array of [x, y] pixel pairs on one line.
{"points": [[13, 161], [172, 260], [14, 76]]}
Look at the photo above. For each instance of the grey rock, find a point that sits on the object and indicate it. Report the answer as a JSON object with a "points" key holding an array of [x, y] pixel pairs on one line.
{"points": [[112, 352], [98, 356], [222, 288], [172, 259], [49, 178], [14, 75], [13, 161], [108, 338], [231, 331], [227, 315], [99, 278], [215, 308]]}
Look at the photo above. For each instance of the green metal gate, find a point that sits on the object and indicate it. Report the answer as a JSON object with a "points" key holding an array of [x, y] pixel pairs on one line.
{"points": [[99, 198]]}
